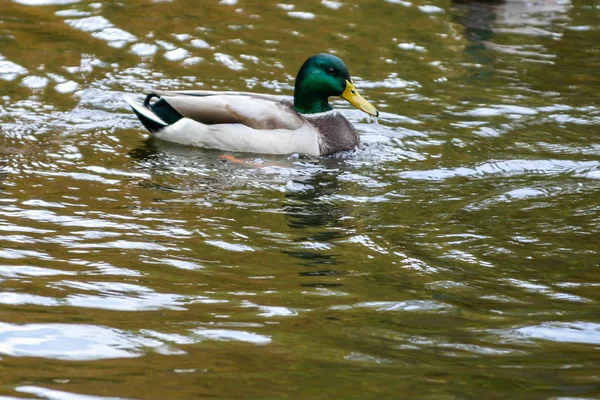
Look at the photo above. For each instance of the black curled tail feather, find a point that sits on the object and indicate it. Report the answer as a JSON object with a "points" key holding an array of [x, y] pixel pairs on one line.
{"points": [[146, 114], [148, 98], [162, 108], [157, 115]]}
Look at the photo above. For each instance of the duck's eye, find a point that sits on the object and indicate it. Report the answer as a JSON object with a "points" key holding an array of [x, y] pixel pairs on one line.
{"points": [[332, 72]]}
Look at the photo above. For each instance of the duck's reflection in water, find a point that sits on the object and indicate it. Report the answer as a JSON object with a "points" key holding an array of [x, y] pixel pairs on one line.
{"points": [[316, 224]]}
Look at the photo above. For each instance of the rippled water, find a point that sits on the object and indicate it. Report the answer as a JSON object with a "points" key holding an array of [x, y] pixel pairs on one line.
{"points": [[454, 255]]}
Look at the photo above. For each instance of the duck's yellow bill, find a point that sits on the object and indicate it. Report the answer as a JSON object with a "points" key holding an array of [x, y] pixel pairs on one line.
{"points": [[352, 96]]}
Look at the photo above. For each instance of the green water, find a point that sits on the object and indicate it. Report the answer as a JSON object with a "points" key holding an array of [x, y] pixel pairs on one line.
{"points": [[455, 255]]}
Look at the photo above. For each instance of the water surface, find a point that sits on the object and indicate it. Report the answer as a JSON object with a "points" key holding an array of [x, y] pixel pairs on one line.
{"points": [[454, 255]]}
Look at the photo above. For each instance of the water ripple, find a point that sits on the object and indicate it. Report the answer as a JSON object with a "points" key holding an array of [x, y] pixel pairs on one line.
{"points": [[71, 342], [461, 229], [507, 168], [51, 394], [229, 334], [570, 332]]}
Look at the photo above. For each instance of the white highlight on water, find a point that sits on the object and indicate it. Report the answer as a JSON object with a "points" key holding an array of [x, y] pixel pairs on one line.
{"points": [[431, 9], [404, 3], [46, 2], [176, 54], [9, 70], [67, 87], [35, 82], [200, 44], [334, 5], [144, 49], [411, 46], [287, 7], [301, 15], [229, 61]]}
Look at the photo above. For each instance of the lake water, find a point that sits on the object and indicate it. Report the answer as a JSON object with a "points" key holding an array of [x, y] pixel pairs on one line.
{"points": [[455, 255]]}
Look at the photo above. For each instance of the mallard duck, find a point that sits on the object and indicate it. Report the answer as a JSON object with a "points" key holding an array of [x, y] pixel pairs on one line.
{"points": [[261, 123]]}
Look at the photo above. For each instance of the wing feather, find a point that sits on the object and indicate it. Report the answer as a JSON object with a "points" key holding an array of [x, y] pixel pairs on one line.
{"points": [[206, 93], [258, 112]]}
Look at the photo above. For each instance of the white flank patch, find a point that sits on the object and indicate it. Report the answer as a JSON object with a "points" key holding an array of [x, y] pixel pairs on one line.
{"points": [[236, 137]]}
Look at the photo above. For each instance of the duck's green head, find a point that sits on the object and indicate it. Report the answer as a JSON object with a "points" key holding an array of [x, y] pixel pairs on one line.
{"points": [[321, 76]]}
